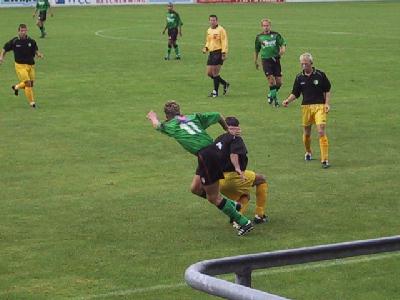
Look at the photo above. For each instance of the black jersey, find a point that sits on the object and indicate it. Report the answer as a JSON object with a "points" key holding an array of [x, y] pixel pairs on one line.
{"points": [[312, 87], [228, 144], [24, 50]]}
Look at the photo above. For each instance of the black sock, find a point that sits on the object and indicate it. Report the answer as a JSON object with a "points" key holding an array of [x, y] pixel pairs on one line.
{"points": [[216, 83], [222, 204], [223, 82]]}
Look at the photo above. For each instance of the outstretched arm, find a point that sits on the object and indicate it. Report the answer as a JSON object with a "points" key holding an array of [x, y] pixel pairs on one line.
{"points": [[2, 55], [152, 116]]}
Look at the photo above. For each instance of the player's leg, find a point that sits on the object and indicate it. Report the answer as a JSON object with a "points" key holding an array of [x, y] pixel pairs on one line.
{"points": [[261, 185], [23, 76], [307, 121], [29, 86], [197, 188], [277, 72], [269, 73], [175, 45], [217, 77], [320, 120], [228, 207], [169, 47]]}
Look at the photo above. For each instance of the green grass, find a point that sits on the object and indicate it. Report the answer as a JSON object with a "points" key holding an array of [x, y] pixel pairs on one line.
{"points": [[95, 203]]}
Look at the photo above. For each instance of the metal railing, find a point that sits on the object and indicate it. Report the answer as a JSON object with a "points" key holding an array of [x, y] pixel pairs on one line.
{"points": [[199, 275]]}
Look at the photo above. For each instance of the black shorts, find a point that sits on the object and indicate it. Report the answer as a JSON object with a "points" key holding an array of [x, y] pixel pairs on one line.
{"points": [[42, 16], [173, 34], [215, 58], [209, 167], [272, 66]]}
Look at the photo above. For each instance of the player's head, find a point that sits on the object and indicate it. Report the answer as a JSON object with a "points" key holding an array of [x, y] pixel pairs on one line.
{"points": [[22, 30], [306, 61], [213, 19], [171, 109], [266, 25], [232, 121], [170, 6]]}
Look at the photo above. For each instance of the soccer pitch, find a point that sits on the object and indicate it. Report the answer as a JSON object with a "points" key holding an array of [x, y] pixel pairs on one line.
{"points": [[95, 204]]}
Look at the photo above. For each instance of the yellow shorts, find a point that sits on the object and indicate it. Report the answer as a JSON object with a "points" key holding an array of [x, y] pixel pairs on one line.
{"points": [[233, 187], [313, 114], [25, 72]]}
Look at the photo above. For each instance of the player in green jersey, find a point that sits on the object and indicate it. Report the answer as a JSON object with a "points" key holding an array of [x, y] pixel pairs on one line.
{"points": [[174, 26], [42, 6], [271, 45], [190, 132]]}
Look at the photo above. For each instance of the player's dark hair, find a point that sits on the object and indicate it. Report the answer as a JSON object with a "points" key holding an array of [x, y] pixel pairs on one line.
{"points": [[232, 121], [22, 26], [213, 16], [171, 108]]}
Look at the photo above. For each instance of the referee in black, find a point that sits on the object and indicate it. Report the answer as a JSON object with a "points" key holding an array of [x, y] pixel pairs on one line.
{"points": [[315, 87], [25, 49]]}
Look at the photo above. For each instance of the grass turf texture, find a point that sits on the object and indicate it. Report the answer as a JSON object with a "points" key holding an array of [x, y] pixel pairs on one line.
{"points": [[94, 202]]}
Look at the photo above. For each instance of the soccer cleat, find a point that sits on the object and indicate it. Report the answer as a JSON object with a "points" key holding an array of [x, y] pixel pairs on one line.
{"points": [[308, 156], [246, 228], [270, 99], [260, 220], [15, 90], [166, 57], [178, 57], [235, 225], [213, 94], [32, 104], [226, 87], [325, 164], [276, 102]]}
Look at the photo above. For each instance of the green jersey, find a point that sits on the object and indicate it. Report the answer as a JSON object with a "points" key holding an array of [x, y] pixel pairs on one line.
{"points": [[173, 20], [189, 130], [268, 44], [42, 5]]}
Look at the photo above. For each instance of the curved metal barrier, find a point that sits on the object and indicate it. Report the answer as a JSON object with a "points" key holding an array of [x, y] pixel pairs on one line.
{"points": [[199, 275]]}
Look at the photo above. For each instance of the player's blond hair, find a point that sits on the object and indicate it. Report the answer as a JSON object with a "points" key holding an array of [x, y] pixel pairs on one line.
{"points": [[266, 20], [307, 56], [172, 109]]}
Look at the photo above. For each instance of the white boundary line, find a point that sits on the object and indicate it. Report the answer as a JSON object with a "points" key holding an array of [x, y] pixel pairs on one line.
{"points": [[277, 270]]}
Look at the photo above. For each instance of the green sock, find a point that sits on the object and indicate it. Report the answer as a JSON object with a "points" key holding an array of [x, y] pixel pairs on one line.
{"points": [[177, 50], [228, 207], [272, 91], [41, 29], [169, 51]]}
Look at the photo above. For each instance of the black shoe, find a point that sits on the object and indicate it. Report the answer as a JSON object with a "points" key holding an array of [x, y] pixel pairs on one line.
{"points": [[15, 90], [33, 105], [270, 99], [226, 87], [178, 57], [166, 57], [260, 220], [307, 156], [245, 229], [325, 164]]}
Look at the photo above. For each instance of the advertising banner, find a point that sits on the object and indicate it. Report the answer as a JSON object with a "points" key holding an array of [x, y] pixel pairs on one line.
{"points": [[17, 3], [118, 2], [240, 1], [174, 1]]}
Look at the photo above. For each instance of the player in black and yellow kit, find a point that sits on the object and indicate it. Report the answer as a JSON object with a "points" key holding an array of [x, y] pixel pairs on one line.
{"points": [[25, 49], [315, 87], [217, 47], [238, 180], [174, 26]]}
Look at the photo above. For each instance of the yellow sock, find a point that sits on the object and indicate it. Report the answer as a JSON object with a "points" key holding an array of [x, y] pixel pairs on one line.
{"points": [[261, 200], [307, 143], [324, 145], [244, 202], [29, 94], [20, 85]]}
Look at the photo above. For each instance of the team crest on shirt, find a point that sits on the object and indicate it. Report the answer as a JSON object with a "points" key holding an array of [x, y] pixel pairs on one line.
{"points": [[29, 44], [316, 82]]}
